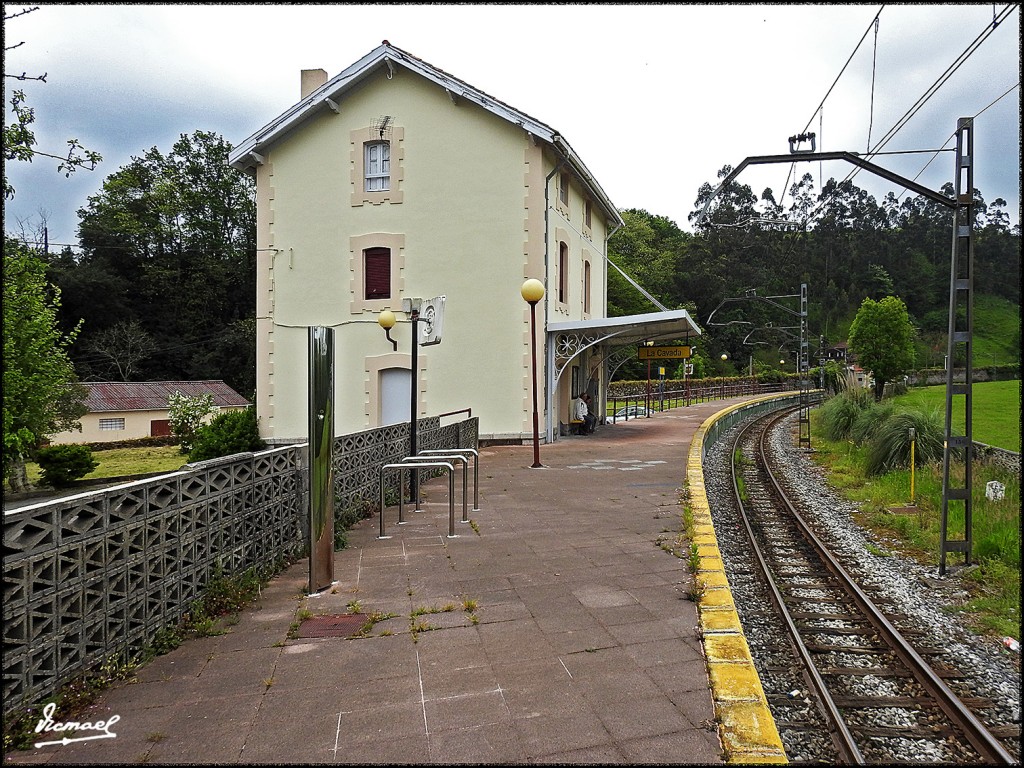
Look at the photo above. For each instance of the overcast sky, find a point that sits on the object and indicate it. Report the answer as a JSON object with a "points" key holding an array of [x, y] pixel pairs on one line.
{"points": [[655, 99]]}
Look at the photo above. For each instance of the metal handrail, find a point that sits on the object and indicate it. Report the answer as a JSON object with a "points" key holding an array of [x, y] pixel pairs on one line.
{"points": [[401, 494]]}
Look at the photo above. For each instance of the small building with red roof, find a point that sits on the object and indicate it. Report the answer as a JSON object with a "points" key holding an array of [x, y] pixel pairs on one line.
{"points": [[128, 410]]}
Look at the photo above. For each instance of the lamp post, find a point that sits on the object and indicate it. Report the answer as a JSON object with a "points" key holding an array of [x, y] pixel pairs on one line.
{"points": [[533, 291], [386, 320], [647, 404]]}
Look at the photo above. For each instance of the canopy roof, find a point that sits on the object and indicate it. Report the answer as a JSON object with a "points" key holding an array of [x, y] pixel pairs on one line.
{"points": [[632, 329]]}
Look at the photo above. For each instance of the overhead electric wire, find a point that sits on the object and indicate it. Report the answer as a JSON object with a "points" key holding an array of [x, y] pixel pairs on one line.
{"points": [[935, 153], [829, 92], [924, 98]]}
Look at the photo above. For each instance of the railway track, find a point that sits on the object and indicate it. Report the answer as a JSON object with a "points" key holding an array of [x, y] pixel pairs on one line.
{"points": [[847, 684]]}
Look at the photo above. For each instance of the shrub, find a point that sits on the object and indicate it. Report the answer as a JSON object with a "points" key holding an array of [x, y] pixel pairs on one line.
{"points": [[889, 445], [230, 432], [838, 415], [186, 414], [870, 419], [61, 465]]}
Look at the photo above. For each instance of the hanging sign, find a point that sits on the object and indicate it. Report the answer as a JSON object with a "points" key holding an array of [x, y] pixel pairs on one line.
{"points": [[664, 353]]}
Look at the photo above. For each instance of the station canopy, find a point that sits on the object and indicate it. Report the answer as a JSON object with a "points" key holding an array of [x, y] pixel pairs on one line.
{"points": [[631, 329]]}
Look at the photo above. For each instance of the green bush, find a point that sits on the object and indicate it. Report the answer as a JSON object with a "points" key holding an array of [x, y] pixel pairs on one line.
{"points": [[888, 447], [61, 465], [838, 415], [228, 433], [870, 419]]}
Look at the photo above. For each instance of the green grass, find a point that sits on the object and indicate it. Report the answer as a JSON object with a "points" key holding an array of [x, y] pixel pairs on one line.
{"points": [[995, 412], [996, 339], [994, 583], [118, 462]]}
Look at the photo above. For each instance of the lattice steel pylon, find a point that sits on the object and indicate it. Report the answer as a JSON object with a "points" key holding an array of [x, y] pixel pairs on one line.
{"points": [[961, 306], [805, 381]]}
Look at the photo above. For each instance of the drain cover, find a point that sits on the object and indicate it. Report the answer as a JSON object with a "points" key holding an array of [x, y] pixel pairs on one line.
{"points": [[342, 625]]}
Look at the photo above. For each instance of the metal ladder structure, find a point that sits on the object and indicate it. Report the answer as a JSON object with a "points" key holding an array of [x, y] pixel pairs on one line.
{"points": [[961, 331]]}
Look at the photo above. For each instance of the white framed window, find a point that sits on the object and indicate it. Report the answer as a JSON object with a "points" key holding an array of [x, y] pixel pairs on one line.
{"points": [[111, 425], [377, 166]]}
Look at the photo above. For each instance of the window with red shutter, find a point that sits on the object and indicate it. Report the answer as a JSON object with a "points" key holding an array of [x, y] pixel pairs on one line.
{"points": [[377, 272]]}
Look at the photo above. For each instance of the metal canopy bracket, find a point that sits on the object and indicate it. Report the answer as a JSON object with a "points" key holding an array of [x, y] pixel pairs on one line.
{"points": [[961, 289]]}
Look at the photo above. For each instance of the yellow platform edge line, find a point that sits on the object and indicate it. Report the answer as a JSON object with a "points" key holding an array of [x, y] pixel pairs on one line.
{"points": [[745, 723]]}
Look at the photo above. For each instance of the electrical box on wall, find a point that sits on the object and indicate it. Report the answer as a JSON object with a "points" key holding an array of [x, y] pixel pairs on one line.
{"points": [[431, 320]]}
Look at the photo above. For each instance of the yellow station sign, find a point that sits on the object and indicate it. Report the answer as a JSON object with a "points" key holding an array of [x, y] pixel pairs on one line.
{"points": [[664, 353]]}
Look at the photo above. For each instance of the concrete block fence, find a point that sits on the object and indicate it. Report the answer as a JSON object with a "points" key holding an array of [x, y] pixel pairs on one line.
{"points": [[99, 574]]}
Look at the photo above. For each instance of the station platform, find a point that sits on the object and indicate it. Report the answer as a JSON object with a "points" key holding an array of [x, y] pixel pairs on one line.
{"points": [[562, 624]]}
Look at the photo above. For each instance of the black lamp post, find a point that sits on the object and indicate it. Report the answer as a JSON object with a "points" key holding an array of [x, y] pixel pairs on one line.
{"points": [[386, 320], [533, 292]]}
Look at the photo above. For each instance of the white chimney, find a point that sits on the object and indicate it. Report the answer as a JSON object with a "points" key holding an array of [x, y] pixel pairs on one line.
{"points": [[311, 80]]}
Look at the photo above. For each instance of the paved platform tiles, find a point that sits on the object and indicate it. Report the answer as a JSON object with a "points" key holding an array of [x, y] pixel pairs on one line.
{"points": [[556, 627]]}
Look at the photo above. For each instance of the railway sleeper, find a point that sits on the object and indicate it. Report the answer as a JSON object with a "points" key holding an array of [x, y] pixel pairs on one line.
{"points": [[885, 672], [868, 649], [905, 702]]}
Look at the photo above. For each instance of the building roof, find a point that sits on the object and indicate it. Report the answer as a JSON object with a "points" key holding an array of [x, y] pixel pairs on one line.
{"points": [[246, 156], [153, 395]]}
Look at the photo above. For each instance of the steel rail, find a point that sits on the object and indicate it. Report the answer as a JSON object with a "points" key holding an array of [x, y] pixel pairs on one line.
{"points": [[843, 740], [979, 736]]}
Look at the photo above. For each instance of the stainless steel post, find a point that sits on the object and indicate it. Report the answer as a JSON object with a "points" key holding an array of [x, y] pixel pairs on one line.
{"points": [[321, 443]]}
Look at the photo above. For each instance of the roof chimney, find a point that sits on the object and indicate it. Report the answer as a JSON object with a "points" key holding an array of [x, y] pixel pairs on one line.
{"points": [[311, 80]]}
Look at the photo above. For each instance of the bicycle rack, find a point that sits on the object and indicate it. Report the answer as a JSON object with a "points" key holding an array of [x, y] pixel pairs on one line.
{"points": [[415, 461], [401, 493], [439, 453]]}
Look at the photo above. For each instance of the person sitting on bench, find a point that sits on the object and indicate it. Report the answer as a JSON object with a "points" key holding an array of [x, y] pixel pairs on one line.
{"points": [[579, 415], [589, 419]]}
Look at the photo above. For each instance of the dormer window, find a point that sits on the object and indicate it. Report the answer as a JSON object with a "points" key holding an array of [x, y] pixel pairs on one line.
{"points": [[377, 165]]}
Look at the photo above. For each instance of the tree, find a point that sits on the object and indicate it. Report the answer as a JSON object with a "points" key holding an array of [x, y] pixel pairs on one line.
{"points": [[173, 238], [20, 142], [41, 391], [120, 348], [882, 340], [186, 415]]}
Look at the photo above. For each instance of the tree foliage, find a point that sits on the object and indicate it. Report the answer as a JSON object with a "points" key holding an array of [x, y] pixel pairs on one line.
{"points": [[41, 394], [169, 243], [230, 432], [841, 242], [186, 414], [882, 339], [19, 142]]}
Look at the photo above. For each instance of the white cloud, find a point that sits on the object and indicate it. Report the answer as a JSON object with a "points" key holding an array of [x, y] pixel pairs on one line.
{"points": [[654, 98]]}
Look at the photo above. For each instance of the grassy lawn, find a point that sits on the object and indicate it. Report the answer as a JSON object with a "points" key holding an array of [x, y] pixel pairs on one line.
{"points": [[993, 580], [995, 412], [127, 461]]}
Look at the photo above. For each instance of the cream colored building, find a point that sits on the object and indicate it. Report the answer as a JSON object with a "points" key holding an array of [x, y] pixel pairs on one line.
{"points": [[128, 410], [395, 181]]}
